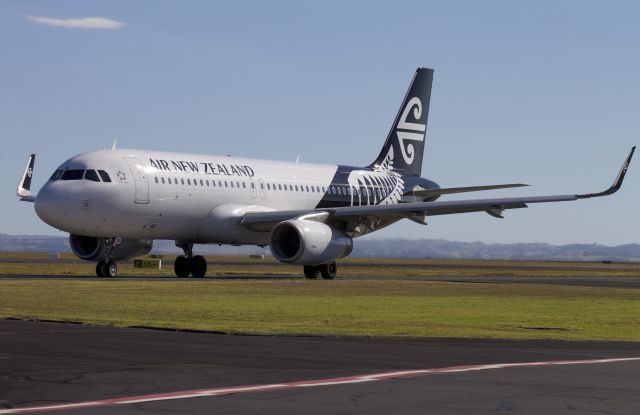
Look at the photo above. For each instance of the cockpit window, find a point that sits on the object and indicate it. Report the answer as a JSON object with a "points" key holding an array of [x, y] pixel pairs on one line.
{"points": [[104, 175], [56, 175], [91, 175], [72, 175]]}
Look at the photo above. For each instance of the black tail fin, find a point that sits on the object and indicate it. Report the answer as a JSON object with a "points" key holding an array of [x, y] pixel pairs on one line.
{"points": [[404, 147]]}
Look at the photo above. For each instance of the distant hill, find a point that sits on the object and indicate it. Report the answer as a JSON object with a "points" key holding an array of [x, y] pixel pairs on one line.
{"points": [[443, 249], [384, 248]]}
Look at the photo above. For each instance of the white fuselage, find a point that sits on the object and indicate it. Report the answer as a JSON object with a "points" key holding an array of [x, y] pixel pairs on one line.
{"points": [[161, 195]]}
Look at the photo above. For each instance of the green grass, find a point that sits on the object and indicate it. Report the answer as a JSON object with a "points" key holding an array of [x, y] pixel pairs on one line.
{"points": [[405, 308]]}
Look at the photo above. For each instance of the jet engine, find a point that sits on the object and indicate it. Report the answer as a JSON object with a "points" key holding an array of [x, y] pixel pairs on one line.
{"points": [[95, 249], [308, 242]]}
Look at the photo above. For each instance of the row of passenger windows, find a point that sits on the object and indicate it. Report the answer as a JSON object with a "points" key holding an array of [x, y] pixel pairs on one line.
{"points": [[337, 190], [91, 175], [238, 184]]}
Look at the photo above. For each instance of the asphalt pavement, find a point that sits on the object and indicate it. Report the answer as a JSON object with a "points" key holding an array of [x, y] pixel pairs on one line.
{"points": [[58, 364]]}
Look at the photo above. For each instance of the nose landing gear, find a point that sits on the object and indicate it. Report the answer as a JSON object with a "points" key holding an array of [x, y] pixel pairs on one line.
{"points": [[108, 268], [188, 264]]}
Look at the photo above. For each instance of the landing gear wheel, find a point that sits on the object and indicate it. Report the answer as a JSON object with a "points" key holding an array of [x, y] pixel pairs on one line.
{"points": [[311, 271], [99, 269], [181, 266], [329, 271], [198, 266], [110, 270]]}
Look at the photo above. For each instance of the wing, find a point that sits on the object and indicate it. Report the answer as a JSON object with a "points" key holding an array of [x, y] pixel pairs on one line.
{"points": [[356, 216]]}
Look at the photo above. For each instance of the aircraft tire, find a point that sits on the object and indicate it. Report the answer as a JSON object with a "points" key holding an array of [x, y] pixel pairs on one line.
{"points": [[181, 266], [198, 266], [329, 271], [311, 271], [110, 269], [99, 269]]}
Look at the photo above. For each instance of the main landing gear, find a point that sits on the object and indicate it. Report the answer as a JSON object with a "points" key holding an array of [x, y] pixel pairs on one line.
{"points": [[108, 268], [188, 264], [328, 271]]}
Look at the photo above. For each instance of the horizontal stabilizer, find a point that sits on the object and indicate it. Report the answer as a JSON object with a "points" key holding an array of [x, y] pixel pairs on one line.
{"points": [[449, 190]]}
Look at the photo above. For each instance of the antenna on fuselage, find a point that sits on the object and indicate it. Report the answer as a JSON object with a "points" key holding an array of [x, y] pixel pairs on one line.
{"points": [[298, 158], [115, 143]]}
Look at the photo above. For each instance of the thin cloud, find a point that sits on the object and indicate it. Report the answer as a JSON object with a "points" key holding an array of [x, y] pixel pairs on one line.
{"points": [[83, 23]]}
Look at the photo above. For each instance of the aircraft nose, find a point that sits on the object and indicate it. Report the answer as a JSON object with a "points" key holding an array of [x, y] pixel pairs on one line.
{"points": [[49, 203]]}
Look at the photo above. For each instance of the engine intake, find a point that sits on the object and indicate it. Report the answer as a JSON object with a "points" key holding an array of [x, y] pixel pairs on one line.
{"points": [[95, 249], [308, 242]]}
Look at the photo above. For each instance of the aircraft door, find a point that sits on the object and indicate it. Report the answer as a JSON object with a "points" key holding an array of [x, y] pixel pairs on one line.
{"points": [[254, 192], [139, 179]]}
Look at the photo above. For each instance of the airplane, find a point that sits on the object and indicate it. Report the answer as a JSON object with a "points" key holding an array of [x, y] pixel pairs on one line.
{"points": [[115, 202]]}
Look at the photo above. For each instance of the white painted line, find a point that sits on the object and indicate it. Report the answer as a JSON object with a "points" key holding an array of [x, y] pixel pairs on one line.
{"points": [[373, 377]]}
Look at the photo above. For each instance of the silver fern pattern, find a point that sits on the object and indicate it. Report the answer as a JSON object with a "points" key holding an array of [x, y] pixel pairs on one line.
{"points": [[382, 186]]}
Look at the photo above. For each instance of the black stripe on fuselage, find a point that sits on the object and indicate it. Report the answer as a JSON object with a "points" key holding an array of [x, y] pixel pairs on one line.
{"points": [[373, 190]]}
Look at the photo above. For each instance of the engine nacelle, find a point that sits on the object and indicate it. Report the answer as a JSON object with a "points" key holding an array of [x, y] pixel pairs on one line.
{"points": [[94, 249], [308, 242]]}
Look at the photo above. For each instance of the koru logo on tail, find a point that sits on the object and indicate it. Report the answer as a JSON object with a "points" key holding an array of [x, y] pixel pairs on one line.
{"points": [[410, 130]]}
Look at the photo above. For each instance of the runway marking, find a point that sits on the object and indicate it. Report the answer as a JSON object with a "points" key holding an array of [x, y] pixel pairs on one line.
{"points": [[373, 377]]}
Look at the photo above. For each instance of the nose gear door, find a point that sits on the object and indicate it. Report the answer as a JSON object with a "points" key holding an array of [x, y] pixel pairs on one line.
{"points": [[139, 179]]}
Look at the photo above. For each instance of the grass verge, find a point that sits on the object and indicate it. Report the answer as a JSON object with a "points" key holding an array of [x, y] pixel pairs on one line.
{"points": [[405, 308]]}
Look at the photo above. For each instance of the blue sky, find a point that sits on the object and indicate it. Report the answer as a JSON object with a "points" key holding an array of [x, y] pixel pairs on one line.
{"points": [[542, 92]]}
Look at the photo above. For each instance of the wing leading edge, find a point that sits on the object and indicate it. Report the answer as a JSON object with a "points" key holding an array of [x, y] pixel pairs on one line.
{"points": [[264, 221]]}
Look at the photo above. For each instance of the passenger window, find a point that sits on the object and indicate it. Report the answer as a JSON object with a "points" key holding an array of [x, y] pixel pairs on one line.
{"points": [[72, 175], [226, 184], [244, 185], [262, 186], [188, 181], [279, 186], [296, 188], [156, 179], [182, 181], [231, 184], [162, 180], [201, 182]]}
